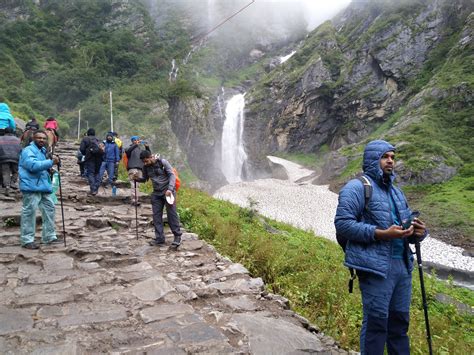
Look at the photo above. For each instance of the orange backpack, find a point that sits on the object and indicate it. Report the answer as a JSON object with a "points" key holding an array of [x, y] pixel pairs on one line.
{"points": [[125, 161], [178, 180]]}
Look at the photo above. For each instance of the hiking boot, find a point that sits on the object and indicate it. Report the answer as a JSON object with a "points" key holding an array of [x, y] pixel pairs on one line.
{"points": [[31, 246], [177, 241], [54, 241], [7, 191], [136, 203], [155, 243]]}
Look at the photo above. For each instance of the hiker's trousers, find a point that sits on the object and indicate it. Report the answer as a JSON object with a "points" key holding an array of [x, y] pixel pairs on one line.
{"points": [[9, 173], [110, 167], [92, 170], [386, 307], [158, 201], [31, 202]]}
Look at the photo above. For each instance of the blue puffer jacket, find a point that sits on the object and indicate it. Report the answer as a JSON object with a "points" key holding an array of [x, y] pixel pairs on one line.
{"points": [[33, 170], [6, 118], [112, 153], [358, 225]]}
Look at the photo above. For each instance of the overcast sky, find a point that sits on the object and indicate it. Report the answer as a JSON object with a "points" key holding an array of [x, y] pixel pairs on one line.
{"points": [[318, 11]]}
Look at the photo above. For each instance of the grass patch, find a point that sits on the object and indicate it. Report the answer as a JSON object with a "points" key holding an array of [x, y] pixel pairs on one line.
{"points": [[448, 205], [308, 160], [308, 271]]}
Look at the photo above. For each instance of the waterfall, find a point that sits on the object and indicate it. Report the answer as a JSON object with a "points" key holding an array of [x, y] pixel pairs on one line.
{"points": [[173, 74], [233, 153]]}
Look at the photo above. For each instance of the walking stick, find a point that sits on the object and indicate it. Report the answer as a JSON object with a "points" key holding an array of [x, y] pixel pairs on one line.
{"points": [[423, 294], [136, 208], [61, 199]]}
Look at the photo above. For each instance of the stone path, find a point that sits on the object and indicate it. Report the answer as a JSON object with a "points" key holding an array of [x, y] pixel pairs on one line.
{"points": [[107, 292]]}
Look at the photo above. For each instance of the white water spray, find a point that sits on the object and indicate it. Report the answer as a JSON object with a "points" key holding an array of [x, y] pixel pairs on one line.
{"points": [[233, 153], [173, 74]]}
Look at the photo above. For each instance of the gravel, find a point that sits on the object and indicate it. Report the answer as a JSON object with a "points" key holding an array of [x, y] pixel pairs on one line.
{"points": [[313, 207]]}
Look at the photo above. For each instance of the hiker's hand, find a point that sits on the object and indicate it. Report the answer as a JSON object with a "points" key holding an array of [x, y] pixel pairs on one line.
{"points": [[419, 228], [56, 160], [394, 232], [168, 193]]}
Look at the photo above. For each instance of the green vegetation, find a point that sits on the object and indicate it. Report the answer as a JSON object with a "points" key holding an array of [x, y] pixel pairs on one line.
{"points": [[67, 55], [308, 271], [309, 160], [448, 205]]}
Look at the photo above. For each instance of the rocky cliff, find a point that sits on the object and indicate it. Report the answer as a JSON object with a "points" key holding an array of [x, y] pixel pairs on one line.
{"points": [[366, 67]]}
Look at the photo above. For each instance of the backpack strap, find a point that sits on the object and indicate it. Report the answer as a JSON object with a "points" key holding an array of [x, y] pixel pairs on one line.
{"points": [[367, 189], [367, 195]]}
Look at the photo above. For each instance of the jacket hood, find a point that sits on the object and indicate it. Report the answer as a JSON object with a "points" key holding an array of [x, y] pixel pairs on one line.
{"points": [[4, 107], [371, 162]]}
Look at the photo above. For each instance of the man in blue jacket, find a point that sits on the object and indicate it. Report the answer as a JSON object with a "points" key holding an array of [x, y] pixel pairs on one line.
{"points": [[36, 187], [111, 157], [377, 248]]}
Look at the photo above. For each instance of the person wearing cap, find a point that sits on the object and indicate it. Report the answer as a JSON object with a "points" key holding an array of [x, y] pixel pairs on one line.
{"points": [[135, 164], [160, 172], [110, 158], [377, 248]]}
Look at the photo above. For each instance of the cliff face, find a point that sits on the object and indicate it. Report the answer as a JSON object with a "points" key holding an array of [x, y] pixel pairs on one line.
{"points": [[350, 76]]}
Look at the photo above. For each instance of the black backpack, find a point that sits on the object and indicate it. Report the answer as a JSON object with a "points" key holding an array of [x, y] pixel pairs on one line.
{"points": [[342, 241], [93, 148]]}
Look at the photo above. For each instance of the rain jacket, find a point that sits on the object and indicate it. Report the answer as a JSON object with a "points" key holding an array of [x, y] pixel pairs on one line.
{"points": [[357, 224], [51, 124], [112, 153], [6, 118], [33, 170]]}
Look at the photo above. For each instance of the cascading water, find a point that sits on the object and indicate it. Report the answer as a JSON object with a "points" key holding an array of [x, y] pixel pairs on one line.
{"points": [[233, 153]]}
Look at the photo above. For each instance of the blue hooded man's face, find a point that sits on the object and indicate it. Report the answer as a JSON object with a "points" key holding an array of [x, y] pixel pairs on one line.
{"points": [[387, 162]]}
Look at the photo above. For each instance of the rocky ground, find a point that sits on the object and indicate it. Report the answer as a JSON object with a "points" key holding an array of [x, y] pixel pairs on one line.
{"points": [[107, 291]]}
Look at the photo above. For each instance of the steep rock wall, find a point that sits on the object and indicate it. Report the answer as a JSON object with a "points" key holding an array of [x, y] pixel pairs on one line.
{"points": [[350, 76]]}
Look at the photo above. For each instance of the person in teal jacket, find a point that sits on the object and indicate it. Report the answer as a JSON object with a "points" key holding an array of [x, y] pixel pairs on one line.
{"points": [[36, 187], [6, 118]]}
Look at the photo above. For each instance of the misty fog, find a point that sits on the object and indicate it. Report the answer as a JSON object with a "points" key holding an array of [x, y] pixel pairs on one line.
{"points": [[266, 25]]}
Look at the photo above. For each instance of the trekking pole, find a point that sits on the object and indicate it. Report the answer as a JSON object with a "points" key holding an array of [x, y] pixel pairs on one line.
{"points": [[423, 294], [61, 199], [136, 208]]}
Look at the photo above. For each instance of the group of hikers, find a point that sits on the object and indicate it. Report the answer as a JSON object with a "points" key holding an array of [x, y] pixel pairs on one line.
{"points": [[11, 145], [373, 221], [35, 170]]}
